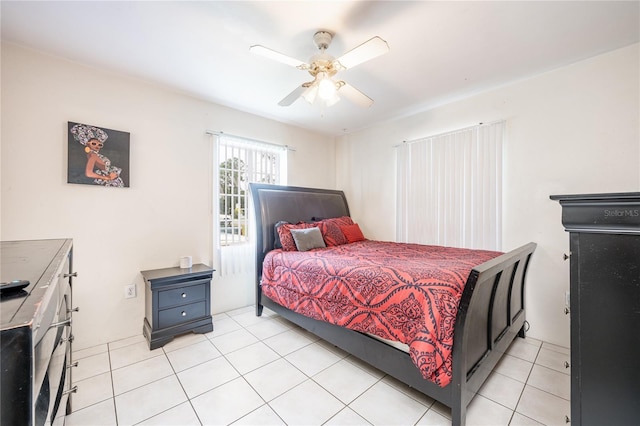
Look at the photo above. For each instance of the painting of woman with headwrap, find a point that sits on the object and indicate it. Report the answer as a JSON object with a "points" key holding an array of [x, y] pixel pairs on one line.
{"points": [[98, 156]]}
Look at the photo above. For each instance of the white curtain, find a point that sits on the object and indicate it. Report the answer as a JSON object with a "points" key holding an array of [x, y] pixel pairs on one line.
{"points": [[450, 188], [234, 237]]}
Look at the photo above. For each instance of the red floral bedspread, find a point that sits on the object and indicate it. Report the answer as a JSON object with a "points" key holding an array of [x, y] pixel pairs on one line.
{"points": [[403, 292]]}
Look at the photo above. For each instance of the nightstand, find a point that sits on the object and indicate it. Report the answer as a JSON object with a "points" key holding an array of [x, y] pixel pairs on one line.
{"points": [[177, 301]]}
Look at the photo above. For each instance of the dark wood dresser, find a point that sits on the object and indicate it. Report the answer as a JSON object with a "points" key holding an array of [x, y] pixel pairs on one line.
{"points": [[604, 234], [176, 301], [35, 333]]}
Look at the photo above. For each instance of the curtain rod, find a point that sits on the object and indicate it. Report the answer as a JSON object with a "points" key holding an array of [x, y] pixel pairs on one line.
{"points": [[447, 133], [221, 133]]}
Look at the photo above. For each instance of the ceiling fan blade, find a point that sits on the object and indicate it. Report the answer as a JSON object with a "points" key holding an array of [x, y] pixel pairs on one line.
{"points": [[277, 56], [368, 50], [291, 97], [355, 96]]}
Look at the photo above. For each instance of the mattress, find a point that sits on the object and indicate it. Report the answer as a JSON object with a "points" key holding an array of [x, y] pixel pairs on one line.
{"points": [[404, 293]]}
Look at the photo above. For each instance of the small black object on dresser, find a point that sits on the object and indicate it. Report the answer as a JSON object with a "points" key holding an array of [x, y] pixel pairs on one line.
{"points": [[177, 301], [604, 234]]}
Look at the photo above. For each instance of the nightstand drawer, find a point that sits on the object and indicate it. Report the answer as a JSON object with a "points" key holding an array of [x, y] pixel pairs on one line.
{"points": [[180, 314], [183, 295], [177, 301]]}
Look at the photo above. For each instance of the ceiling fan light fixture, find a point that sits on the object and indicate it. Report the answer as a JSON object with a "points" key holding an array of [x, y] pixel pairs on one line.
{"points": [[326, 87], [323, 92], [310, 94]]}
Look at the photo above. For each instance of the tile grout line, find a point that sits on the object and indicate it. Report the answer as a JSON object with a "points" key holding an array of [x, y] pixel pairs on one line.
{"points": [[175, 373], [515, 410], [341, 357], [113, 388], [245, 379]]}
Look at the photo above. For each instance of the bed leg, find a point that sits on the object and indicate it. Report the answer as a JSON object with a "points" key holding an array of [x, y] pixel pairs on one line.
{"points": [[458, 416], [258, 299], [523, 330]]}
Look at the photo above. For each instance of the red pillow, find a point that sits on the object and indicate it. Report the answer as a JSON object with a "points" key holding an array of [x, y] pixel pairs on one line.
{"points": [[286, 239], [352, 233], [330, 229]]}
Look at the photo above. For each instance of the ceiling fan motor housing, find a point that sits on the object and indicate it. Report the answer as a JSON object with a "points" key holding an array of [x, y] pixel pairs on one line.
{"points": [[322, 62], [322, 39]]}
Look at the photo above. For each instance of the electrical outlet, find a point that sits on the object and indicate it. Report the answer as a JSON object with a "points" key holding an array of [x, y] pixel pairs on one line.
{"points": [[129, 291]]}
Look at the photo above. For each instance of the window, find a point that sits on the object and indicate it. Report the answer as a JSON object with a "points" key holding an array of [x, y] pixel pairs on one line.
{"points": [[450, 188], [241, 162]]}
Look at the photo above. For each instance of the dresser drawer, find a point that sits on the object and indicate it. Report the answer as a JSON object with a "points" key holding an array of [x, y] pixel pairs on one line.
{"points": [[182, 295], [180, 314]]}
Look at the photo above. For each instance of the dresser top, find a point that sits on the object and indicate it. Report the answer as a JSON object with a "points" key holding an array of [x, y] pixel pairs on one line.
{"points": [[605, 197], [617, 213], [36, 261]]}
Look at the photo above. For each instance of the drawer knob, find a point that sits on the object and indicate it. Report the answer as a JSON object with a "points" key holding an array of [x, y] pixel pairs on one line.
{"points": [[566, 256], [184, 295], [184, 314], [566, 364], [64, 323], [567, 311]]}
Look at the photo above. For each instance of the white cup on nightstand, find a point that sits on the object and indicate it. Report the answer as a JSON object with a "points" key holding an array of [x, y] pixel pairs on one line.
{"points": [[186, 262]]}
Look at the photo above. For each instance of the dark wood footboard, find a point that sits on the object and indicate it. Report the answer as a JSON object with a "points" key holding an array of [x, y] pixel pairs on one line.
{"points": [[490, 315]]}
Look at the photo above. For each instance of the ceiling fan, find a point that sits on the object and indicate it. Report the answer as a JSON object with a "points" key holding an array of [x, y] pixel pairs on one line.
{"points": [[323, 67]]}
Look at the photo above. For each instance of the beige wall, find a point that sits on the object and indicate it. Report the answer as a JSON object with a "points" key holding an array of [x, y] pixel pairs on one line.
{"points": [[572, 130], [166, 213]]}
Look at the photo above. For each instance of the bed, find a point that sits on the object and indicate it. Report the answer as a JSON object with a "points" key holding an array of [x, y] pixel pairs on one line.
{"points": [[491, 311]]}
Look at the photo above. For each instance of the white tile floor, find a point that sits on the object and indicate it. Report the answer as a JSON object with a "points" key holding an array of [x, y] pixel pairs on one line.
{"points": [[264, 370]]}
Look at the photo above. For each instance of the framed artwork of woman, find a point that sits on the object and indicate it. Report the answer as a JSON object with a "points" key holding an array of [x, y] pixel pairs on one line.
{"points": [[97, 156]]}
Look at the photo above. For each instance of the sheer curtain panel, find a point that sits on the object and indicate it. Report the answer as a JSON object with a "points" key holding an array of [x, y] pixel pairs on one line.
{"points": [[449, 189], [241, 161]]}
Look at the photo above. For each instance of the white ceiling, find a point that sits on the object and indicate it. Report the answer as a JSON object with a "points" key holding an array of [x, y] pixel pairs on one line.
{"points": [[439, 51]]}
